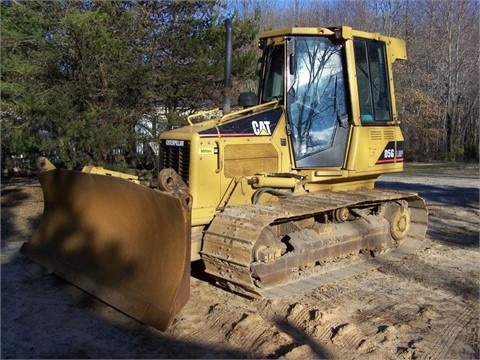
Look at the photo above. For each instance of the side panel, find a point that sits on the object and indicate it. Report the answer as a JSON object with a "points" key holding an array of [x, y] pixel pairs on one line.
{"points": [[204, 178], [248, 145], [379, 149], [241, 160]]}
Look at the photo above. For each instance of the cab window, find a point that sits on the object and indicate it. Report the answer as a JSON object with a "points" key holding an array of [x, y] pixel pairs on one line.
{"points": [[372, 81], [273, 84]]}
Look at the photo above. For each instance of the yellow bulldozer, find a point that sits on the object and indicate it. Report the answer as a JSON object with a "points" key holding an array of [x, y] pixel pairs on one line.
{"points": [[275, 198]]}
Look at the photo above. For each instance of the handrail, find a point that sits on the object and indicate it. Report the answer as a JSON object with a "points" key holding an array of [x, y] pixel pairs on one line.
{"points": [[233, 114], [220, 156], [201, 113], [247, 110]]}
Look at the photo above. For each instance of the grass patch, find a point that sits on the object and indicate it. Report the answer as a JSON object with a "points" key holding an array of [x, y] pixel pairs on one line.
{"points": [[438, 167]]}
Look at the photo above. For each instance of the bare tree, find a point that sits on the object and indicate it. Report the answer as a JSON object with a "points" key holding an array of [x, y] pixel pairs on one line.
{"points": [[437, 88]]}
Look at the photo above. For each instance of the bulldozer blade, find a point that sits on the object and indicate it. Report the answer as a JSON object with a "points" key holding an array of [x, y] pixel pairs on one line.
{"points": [[124, 243]]}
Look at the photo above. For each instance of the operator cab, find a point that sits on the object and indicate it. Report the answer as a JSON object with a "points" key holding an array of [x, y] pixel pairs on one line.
{"points": [[307, 72]]}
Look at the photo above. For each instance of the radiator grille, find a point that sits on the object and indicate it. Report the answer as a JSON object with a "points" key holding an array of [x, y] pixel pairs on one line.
{"points": [[175, 154]]}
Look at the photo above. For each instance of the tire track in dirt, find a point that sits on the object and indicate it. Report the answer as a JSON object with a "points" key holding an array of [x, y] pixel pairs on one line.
{"points": [[330, 291], [348, 338], [197, 316], [375, 319], [325, 329], [301, 315], [309, 329], [258, 338], [440, 348], [375, 310], [343, 331]]}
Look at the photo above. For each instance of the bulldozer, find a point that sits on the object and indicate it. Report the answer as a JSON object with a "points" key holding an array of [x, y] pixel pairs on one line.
{"points": [[276, 197]]}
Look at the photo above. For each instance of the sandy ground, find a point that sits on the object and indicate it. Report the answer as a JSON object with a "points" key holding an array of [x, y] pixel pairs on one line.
{"points": [[423, 307]]}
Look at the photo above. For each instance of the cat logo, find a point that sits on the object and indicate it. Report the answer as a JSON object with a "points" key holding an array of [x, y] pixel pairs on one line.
{"points": [[261, 128]]}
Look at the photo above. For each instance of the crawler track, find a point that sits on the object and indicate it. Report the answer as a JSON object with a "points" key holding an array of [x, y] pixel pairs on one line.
{"points": [[272, 250]]}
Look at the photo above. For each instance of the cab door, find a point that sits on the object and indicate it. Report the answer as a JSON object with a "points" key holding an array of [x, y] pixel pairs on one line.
{"points": [[316, 102]]}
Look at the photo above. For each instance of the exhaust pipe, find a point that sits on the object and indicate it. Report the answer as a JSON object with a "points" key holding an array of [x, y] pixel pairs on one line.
{"points": [[227, 89]]}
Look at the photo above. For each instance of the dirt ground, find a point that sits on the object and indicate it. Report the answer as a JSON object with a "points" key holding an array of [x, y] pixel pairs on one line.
{"points": [[423, 307]]}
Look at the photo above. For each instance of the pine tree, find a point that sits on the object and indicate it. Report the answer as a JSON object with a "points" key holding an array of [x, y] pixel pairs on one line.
{"points": [[78, 76]]}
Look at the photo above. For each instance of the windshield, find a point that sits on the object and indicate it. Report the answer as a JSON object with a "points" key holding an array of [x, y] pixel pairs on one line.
{"points": [[316, 99]]}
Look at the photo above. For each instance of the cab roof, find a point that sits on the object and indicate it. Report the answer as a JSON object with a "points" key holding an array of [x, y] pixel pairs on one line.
{"points": [[345, 32], [397, 46]]}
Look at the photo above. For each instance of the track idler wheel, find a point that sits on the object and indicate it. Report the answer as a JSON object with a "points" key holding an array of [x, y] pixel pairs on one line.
{"points": [[268, 248], [398, 215], [341, 214]]}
